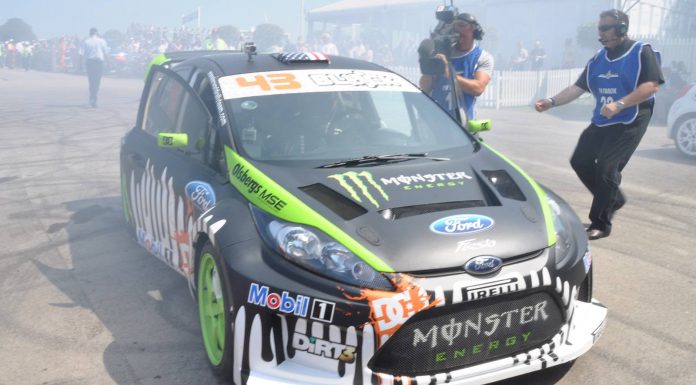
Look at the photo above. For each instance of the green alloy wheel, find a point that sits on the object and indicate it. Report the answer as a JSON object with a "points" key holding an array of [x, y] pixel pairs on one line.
{"points": [[213, 302]]}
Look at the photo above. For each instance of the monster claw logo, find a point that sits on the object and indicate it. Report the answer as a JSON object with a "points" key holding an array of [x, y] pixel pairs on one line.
{"points": [[361, 180]]}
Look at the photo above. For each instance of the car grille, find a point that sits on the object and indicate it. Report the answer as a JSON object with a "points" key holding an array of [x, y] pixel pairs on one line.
{"points": [[456, 336]]}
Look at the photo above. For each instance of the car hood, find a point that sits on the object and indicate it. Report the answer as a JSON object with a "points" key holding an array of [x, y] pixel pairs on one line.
{"points": [[421, 215]]}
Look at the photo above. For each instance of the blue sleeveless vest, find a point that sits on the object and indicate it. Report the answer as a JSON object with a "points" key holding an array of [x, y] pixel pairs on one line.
{"points": [[611, 80], [465, 66]]}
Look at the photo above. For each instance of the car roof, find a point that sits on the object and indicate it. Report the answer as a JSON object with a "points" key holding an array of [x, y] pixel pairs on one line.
{"points": [[233, 63]]}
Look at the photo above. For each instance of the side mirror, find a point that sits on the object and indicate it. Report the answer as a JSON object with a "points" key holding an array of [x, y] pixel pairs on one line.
{"points": [[476, 126], [172, 140]]}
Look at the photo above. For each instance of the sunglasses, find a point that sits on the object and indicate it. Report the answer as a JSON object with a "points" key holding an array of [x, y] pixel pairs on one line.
{"points": [[605, 28]]}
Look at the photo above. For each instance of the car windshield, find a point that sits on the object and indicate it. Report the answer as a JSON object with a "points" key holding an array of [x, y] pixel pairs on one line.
{"points": [[343, 124]]}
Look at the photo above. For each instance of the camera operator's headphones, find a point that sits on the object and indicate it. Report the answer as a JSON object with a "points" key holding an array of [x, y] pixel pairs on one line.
{"points": [[621, 26], [468, 18]]}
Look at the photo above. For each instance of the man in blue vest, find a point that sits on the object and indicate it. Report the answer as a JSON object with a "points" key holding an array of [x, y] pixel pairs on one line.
{"points": [[472, 64], [623, 77]]}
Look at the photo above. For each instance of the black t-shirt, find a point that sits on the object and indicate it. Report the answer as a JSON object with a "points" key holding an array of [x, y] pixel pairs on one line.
{"points": [[650, 70]]}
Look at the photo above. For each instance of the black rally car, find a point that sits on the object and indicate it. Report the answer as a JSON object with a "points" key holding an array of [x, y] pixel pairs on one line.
{"points": [[337, 227]]}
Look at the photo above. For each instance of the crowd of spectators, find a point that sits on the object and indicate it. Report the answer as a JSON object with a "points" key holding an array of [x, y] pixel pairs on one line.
{"points": [[131, 51]]}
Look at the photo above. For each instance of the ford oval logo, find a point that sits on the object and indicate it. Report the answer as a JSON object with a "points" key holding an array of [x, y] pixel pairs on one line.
{"points": [[201, 195], [484, 264], [461, 224]]}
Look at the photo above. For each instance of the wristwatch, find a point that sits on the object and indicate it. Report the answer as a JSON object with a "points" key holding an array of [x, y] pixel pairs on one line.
{"points": [[620, 105]]}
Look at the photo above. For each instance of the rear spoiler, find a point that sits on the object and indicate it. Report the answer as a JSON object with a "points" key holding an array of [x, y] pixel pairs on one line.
{"points": [[169, 59]]}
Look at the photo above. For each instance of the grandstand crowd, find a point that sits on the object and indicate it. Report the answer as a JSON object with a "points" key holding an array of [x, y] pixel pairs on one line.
{"points": [[131, 51]]}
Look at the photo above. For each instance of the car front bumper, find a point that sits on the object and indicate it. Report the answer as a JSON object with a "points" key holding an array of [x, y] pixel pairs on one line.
{"points": [[574, 339]]}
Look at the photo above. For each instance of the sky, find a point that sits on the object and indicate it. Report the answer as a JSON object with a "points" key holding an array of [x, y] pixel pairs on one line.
{"points": [[50, 18]]}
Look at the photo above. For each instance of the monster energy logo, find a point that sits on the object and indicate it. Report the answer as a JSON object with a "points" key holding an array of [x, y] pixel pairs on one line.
{"points": [[361, 181]]}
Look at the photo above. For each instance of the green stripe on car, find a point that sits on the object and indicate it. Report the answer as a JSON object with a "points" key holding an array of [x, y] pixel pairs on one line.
{"points": [[543, 201], [271, 197]]}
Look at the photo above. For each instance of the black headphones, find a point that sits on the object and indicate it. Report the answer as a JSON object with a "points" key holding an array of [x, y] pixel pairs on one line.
{"points": [[621, 26], [468, 18]]}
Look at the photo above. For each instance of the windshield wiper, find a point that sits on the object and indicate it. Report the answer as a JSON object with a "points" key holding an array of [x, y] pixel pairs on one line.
{"points": [[380, 159]]}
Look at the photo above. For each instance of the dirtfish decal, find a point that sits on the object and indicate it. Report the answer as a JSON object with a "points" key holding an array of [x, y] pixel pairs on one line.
{"points": [[324, 348], [359, 183]]}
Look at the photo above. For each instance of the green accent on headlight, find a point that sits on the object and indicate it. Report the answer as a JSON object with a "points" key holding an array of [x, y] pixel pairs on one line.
{"points": [[543, 201], [170, 139], [125, 200], [271, 197], [157, 60]]}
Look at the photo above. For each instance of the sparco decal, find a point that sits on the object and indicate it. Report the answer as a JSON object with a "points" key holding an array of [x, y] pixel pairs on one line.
{"points": [[427, 181], [284, 302], [359, 183], [255, 188], [457, 330], [201, 195], [461, 224], [324, 348]]}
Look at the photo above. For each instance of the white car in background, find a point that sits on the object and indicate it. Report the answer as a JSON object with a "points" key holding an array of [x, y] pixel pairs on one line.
{"points": [[681, 122]]}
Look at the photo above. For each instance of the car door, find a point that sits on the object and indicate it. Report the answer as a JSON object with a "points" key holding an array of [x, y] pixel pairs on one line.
{"points": [[168, 179]]}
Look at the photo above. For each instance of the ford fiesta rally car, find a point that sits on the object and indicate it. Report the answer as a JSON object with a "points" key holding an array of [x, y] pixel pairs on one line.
{"points": [[337, 227]]}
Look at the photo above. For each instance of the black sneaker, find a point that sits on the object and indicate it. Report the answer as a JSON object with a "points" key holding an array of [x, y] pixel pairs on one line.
{"points": [[597, 233]]}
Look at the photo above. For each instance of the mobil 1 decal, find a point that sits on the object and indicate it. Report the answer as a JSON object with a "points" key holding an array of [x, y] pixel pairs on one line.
{"points": [[295, 304]]}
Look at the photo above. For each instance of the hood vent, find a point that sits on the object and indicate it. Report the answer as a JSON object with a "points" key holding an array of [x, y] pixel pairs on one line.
{"points": [[409, 211], [503, 183], [342, 206]]}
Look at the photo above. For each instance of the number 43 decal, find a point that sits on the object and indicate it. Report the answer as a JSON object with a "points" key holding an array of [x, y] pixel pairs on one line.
{"points": [[267, 82]]}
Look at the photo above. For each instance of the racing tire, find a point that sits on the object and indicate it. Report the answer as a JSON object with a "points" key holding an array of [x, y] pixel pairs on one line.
{"points": [[685, 135], [214, 297]]}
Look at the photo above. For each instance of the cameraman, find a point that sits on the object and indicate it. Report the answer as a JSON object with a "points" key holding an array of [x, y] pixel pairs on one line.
{"points": [[473, 66]]}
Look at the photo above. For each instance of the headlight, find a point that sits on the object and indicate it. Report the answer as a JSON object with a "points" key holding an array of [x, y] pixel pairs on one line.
{"points": [[565, 221], [314, 250]]}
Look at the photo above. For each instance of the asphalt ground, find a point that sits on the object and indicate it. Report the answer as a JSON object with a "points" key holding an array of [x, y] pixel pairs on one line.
{"points": [[82, 303]]}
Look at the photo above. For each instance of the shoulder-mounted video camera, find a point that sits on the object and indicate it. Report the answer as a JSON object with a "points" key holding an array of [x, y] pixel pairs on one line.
{"points": [[443, 39]]}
